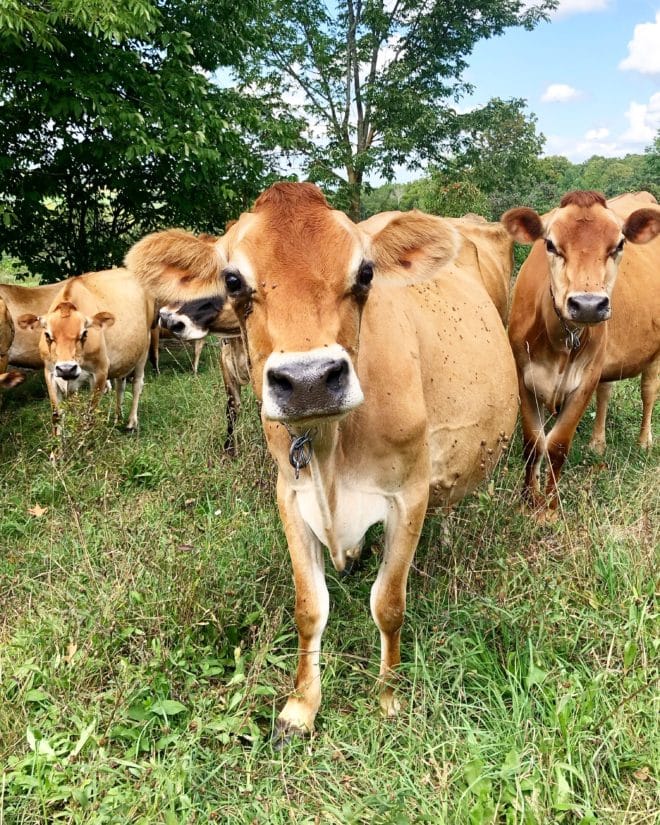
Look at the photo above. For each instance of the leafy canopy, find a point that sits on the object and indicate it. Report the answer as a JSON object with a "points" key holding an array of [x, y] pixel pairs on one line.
{"points": [[110, 125]]}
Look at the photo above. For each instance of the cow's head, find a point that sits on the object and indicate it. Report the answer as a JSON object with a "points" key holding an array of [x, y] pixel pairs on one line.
{"points": [[298, 274], [584, 243], [68, 337], [194, 319]]}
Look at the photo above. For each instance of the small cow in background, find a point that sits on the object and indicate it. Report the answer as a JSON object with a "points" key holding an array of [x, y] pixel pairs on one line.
{"points": [[565, 294], [97, 328]]}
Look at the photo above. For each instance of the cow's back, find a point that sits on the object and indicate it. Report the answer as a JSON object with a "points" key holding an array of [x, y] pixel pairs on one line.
{"points": [[24, 351], [624, 205], [494, 247]]}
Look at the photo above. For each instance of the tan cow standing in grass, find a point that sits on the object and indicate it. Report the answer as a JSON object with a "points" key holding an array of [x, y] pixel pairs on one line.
{"points": [[97, 328], [578, 285], [384, 389]]}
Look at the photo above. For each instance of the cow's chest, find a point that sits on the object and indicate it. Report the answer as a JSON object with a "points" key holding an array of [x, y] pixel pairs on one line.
{"points": [[339, 521], [551, 381]]}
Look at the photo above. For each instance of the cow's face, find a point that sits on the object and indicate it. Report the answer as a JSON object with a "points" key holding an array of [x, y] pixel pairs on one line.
{"points": [[298, 274], [69, 339], [584, 245], [193, 320]]}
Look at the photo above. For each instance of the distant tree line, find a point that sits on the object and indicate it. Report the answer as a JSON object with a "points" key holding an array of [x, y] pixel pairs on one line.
{"points": [[489, 183]]}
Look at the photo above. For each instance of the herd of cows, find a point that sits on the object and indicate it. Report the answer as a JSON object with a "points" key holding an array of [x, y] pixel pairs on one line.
{"points": [[380, 356]]}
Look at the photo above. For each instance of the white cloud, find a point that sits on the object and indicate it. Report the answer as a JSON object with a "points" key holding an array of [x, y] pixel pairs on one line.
{"points": [[559, 93], [644, 119], [567, 7], [597, 134], [644, 48], [644, 122]]}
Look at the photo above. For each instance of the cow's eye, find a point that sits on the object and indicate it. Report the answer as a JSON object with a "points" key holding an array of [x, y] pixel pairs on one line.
{"points": [[552, 249], [233, 282], [83, 336], [618, 249], [365, 275], [48, 337]]}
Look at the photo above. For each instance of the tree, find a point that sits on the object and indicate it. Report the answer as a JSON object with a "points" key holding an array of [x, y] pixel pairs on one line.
{"points": [[652, 167], [111, 126], [377, 78]]}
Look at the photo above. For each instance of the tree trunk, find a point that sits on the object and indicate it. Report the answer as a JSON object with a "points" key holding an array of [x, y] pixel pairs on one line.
{"points": [[355, 195]]}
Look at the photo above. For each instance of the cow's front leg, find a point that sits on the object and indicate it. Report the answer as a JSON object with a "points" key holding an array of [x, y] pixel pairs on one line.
{"points": [[388, 594], [598, 437], [312, 606], [650, 386], [533, 445], [55, 398], [558, 441]]}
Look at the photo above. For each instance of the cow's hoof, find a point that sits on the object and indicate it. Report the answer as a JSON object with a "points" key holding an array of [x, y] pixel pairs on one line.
{"points": [[285, 733], [390, 706], [546, 515], [131, 430]]}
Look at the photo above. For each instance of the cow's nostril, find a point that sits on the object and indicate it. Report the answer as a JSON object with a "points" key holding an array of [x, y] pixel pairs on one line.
{"points": [[336, 376], [280, 382], [574, 305]]}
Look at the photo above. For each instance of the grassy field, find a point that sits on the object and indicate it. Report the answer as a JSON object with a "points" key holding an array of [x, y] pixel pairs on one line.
{"points": [[147, 638]]}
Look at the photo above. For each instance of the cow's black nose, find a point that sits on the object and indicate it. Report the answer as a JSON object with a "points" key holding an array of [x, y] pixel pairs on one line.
{"points": [[303, 388], [588, 307], [67, 371]]}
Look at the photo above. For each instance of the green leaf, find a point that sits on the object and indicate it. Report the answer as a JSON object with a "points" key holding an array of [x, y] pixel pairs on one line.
{"points": [[168, 707]]}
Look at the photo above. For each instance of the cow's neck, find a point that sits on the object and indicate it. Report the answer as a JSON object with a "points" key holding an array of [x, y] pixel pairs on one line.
{"points": [[323, 473]]}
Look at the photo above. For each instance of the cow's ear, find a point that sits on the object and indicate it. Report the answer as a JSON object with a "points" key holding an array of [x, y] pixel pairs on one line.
{"points": [[523, 224], [177, 266], [100, 320], [642, 226], [29, 321], [413, 245]]}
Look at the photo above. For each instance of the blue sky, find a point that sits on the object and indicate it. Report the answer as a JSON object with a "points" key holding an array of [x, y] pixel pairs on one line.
{"points": [[591, 76]]}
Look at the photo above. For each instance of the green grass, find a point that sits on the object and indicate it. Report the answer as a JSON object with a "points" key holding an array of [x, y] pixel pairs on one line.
{"points": [[147, 639]]}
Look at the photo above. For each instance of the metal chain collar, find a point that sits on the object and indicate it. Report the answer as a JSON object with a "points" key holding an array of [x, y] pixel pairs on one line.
{"points": [[572, 338], [300, 451]]}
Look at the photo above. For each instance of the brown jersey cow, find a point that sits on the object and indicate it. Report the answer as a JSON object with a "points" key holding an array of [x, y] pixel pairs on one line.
{"points": [[562, 303], [97, 328], [384, 388]]}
